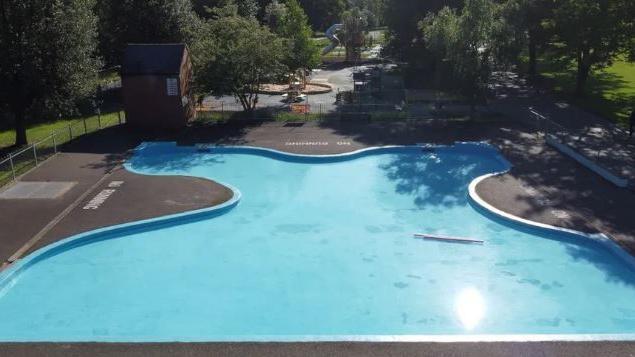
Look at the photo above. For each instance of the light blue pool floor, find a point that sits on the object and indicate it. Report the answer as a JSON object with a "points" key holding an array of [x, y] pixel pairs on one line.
{"points": [[322, 249]]}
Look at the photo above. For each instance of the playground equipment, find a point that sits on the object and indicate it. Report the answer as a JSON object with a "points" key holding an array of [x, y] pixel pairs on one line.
{"points": [[331, 35], [352, 32]]}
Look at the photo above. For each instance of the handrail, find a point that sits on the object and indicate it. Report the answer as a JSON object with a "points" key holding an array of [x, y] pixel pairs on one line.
{"points": [[70, 131]]}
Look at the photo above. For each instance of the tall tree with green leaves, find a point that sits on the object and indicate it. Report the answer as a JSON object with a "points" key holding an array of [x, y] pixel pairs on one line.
{"points": [[373, 10], [246, 8], [275, 14], [402, 18], [462, 44], [529, 24], [203, 7], [47, 57], [324, 13], [234, 55], [355, 25], [294, 28], [142, 21], [592, 33]]}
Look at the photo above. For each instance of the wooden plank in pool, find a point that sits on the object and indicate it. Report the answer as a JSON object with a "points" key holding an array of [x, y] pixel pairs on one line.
{"points": [[448, 239]]}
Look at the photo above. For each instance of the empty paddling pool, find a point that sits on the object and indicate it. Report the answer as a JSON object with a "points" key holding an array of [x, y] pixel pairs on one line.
{"points": [[322, 248]]}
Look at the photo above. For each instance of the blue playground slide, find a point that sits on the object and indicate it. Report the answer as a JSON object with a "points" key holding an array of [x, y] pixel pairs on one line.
{"points": [[330, 34]]}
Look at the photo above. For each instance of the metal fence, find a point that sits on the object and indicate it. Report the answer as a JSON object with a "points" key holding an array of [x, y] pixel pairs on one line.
{"points": [[608, 146], [20, 162], [305, 112], [222, 111], [593, 145]]}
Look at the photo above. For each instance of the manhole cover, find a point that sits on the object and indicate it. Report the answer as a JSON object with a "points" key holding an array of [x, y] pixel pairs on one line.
{"points": [[36, 190]]}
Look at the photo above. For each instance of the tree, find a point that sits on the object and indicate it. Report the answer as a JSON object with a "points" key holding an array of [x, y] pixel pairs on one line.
{"points": [[402, 18], [529, 24], [236, 55], [462, 45], [324, 13], [593, 33], [248, 8], [245, 8], [294, 28], [47, 57], [372, 10], [275, 14], [142, 21], [203, 7], [355, 23]]}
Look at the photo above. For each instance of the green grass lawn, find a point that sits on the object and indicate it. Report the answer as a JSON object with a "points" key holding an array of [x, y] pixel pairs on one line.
{"points": [[65, 130], [610, 92], [40, 131]]}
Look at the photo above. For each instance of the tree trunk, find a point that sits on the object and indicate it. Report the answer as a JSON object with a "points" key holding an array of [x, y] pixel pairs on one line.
{"points": [[532, 57], [582, 73], [20, 128], [243, 101]]}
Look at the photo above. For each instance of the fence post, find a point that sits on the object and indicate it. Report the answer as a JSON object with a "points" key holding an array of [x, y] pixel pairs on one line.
{"points": [[99, 119], [12, 167], [119, 116], [222, 111], [70, 132], [35, 154], [54, 142], [85, 126]]}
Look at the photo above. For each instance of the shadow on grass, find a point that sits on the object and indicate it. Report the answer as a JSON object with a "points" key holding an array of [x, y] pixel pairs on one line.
{"points": [[606, 93]]}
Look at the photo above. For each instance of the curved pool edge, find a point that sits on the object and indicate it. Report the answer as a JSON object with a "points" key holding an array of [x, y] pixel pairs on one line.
{"points": [[489, 209], [8, 275]]}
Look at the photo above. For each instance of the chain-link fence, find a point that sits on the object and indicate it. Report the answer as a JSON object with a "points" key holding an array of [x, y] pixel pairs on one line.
{"points": [[19, 162]]}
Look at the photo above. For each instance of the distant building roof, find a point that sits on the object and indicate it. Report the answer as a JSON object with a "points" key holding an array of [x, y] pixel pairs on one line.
{"points": [[140, 59]]}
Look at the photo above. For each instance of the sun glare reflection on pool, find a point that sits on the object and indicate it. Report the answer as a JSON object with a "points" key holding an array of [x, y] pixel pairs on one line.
{"points": [[470, 307]]}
